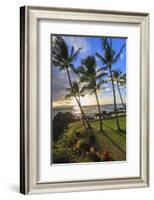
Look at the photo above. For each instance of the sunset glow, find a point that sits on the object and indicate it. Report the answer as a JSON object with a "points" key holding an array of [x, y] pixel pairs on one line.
{"points": [[87, 100]]}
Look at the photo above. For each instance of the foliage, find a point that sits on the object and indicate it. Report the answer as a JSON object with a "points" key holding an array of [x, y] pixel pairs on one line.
{"points": [[75, 148], [120, 79], [60, 123], [62, 155], [75, 90], [81, 146], [62, 57]]}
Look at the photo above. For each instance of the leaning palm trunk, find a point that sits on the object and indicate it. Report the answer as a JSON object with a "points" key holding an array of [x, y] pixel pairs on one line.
{"points": [[121, 96], [99, 110], [114, 98], [82, 112], [82, 115]]}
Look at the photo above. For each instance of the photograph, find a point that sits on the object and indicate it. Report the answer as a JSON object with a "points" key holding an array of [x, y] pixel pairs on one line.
{"points": [[88, 105]]}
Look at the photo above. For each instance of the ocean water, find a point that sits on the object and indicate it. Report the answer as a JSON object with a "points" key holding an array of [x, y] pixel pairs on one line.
{"points": [[88, 110]]}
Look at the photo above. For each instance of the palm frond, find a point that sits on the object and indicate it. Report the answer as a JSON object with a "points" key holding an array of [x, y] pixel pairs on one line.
{"points": [[61, 56], [92, 91], [104, 68], [73, 68], [103, 82], [105, 43], [68, 89], [110, 43], [122, 79], [101, 75], [59, 51], [75, 55], [75, 86], [67, 96], [101, 58], [83, 90], [119, 53], [72, 51]]}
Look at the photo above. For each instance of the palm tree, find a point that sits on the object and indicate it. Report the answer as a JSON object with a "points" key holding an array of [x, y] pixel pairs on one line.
{"points": [[123, 80], [119, 79], [88, 75], [108, 58], [76, 92], [63, 58]]}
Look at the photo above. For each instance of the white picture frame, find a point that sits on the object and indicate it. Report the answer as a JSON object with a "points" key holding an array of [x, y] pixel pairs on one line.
{"points": [[29, 109]]}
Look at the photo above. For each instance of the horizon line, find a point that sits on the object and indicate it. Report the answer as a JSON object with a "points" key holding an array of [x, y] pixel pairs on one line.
{"points": [[84, 105]]}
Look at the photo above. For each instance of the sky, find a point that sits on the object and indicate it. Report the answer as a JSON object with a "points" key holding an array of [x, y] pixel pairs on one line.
{"points": [[89, 46]]}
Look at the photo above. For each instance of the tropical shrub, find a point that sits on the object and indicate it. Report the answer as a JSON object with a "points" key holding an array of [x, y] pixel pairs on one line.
{"points": [[63, 155], [60, 123]]}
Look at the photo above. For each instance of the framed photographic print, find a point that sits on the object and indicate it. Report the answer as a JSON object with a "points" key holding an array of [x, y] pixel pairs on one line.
{"points": [[84, 100]]}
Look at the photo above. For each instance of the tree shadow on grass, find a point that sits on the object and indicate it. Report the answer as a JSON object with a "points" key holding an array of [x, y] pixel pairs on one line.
{"points": [[121, 131], [118, 147]]}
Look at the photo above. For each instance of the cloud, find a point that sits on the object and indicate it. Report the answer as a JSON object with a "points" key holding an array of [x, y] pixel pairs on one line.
{"points": [[79, 42], [62, 103], [59, 83], [106, 87]]}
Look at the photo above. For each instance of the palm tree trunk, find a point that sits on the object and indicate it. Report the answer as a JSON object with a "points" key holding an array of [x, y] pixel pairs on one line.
{"points": [[114, 98], [82, 115], [121, 96], [99, 110], [82, 112]]}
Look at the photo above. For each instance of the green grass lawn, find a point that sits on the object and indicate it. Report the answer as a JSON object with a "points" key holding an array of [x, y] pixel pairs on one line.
{"points": [[110, 141]]}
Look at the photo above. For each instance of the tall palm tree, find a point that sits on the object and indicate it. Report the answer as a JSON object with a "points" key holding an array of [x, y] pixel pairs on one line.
{"points": [[78, 92], [108, 58], [88, 76], [63, 58], [118, 78]]}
